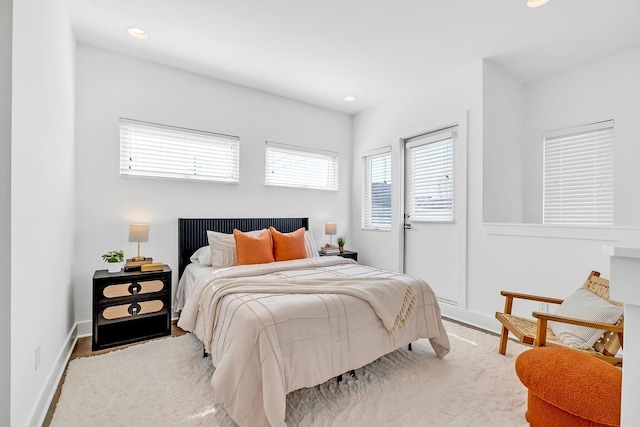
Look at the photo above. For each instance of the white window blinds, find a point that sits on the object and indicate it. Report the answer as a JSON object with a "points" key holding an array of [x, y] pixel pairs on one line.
{"points": [[578, 175], [155, 150], [376, 194], [429, 170], [289, 166]]}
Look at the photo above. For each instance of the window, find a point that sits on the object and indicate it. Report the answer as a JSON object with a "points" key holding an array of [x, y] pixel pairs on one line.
{"points": [[429, 169], [289, 166], [578, 175], [376, 195], [154, 150]]}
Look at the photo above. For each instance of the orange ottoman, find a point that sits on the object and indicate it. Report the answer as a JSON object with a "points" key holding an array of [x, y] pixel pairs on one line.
{"points": [[569, 388]]}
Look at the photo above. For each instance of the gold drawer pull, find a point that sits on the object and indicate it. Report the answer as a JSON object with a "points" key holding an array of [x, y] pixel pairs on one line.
{"points": [[136, 288], [134, 309]]}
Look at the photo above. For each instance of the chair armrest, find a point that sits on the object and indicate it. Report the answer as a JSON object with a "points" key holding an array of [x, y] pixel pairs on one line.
{"points": [[580, 322], [531, 297]]}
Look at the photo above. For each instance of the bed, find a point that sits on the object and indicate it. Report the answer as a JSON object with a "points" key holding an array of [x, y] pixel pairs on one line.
{"points": [[277, 327]]}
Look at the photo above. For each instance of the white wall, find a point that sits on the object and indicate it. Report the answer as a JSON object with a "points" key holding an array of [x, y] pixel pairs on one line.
{"points": [[503, 117], [603, 90], [517, 115], [42, 201], [526, 258], [529, 257], [436, 104], [110, 86], [534, 258], [6, 17]]}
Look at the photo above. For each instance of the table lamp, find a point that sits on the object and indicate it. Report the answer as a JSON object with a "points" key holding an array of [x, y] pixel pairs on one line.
{"points": [[138, 233], [330, 229]]}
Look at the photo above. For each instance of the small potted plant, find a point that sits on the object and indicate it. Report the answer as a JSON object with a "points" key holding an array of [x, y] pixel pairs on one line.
{"points": [[114, 259], [341, 241]]}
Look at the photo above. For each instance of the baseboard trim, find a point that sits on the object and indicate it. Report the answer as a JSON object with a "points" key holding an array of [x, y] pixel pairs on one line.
{"points": [[478, 320], [39, 411], [84, 329]]}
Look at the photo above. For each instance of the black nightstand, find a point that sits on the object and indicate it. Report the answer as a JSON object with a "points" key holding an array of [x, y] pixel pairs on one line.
{"points": [[346, 254], [130, 306]]}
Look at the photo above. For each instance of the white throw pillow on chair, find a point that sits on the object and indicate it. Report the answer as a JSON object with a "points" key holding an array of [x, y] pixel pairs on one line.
{"points": [[584, 305]]}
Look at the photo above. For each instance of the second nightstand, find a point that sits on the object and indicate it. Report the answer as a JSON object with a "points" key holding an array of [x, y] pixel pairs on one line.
{"points": [[130, 306], [345, 254]]}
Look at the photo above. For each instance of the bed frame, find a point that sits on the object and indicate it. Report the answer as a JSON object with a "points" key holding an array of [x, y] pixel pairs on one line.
{"points": [[192, 232], [192, 235]]}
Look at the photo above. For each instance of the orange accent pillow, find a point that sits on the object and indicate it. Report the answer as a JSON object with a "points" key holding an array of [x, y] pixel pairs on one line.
{"points": [[253, 250], [287, 246]]}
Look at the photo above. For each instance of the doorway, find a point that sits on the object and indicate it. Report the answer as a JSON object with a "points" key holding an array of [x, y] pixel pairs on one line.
{"points": [[434, 203]]}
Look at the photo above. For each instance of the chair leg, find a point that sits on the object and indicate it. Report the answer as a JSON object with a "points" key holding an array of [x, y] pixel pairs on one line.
{"points": [[504, 338]]}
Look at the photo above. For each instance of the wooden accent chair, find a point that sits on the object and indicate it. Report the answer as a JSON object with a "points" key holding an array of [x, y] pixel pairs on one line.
{"points": [[536, 332]]}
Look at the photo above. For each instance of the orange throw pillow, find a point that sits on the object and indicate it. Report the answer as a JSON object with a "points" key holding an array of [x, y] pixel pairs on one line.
{"points": [[287, 246], [253, 250]]}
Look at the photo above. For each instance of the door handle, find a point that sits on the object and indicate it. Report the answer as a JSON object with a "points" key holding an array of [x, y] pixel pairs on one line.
{"points": [[408, 226]]}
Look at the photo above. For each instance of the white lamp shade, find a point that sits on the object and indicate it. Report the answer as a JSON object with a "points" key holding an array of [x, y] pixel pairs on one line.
{"points": [[138, 233], [330, 228]]}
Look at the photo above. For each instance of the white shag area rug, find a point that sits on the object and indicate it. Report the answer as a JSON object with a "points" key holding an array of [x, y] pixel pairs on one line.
{"points": [[166, 382]]}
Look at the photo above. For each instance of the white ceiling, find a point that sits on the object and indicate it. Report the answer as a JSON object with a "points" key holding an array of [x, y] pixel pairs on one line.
{"points": [[320, 51]]}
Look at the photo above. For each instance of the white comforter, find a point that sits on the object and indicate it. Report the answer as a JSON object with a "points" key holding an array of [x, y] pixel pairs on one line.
{"points": [[266, 343]]}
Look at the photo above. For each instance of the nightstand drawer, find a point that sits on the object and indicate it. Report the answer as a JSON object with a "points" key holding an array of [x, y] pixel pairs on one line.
{"points": [[132, 310], [133, 288], [345, 254], [118, 333]]}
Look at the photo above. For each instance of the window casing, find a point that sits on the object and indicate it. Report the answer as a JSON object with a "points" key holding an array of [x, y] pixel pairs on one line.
{"points": [[430, 177], [292, 166], [155, 150], [376, 194], [578, 175]]}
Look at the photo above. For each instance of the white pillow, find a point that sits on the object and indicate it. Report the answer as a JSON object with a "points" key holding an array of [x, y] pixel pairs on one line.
{"points": [[586, 305], [202, 256], [310, 245], [223, 248]]}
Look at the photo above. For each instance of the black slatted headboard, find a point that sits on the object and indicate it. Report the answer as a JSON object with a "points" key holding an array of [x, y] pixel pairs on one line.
{"points": [[192, 232]]}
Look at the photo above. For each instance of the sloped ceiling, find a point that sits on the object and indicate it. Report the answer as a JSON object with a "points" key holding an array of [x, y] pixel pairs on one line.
{"points": [[319, 52]]}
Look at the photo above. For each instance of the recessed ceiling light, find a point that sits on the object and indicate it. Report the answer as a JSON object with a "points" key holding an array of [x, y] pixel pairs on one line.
{"points": [[137, 33], [350, 98], [536, 3]]}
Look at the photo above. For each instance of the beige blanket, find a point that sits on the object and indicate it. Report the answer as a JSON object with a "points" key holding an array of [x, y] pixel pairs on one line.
{"points": [[266, 344], [391, 299]]}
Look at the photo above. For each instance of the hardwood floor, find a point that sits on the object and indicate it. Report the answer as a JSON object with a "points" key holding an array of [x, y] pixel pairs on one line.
{"points": [[83, 349]]}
